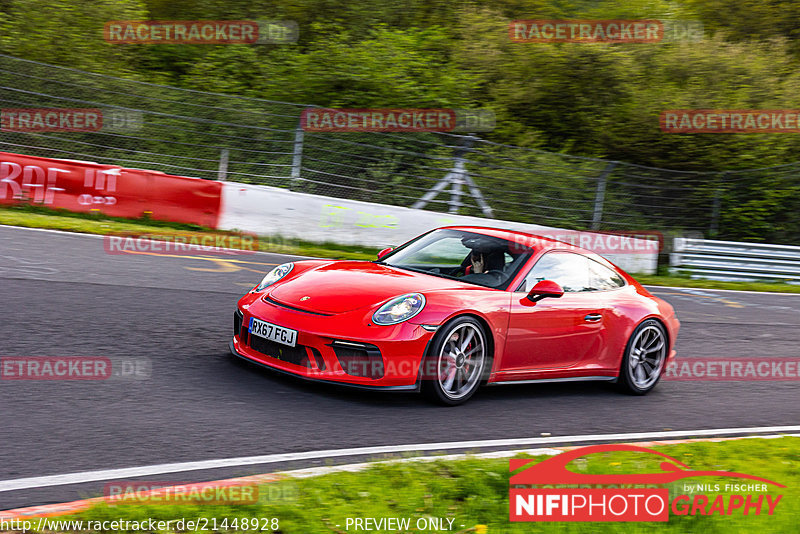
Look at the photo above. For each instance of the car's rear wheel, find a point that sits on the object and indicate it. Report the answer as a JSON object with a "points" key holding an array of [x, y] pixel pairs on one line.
{"points": [[644, 358], [456, 362]]}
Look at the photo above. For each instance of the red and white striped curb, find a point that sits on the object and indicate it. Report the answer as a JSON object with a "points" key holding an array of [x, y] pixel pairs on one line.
{"points": [[69, 508]]}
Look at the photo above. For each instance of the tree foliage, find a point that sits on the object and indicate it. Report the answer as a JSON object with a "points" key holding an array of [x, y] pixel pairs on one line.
{"points": [[600, 100]]}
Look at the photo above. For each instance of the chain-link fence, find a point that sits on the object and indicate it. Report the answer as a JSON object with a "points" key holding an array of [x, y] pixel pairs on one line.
{"points": [[218, 136]]}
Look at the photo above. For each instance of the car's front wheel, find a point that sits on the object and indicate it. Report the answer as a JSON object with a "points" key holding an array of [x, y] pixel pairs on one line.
{"points": [[456, 362], [644, 358]]}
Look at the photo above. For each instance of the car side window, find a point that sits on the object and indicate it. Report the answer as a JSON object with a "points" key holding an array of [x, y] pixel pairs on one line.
{"points": [[602, 278], [569, 270]]}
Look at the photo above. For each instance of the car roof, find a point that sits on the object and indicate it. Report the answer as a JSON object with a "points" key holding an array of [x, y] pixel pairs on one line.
{"points": [[541, 242]]}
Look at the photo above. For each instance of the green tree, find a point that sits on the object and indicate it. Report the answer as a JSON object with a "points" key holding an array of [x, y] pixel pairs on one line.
{"points": [[69, 33]]}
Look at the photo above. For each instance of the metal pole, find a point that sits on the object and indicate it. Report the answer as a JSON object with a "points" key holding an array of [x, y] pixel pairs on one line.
{"points": [[458, 173], [432, 192], [713, 229], [297, 158], [600, 195], [455, 193], [222, 173]]}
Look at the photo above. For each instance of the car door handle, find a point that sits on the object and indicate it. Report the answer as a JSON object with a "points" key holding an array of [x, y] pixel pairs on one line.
{"points": [[593, 317]]}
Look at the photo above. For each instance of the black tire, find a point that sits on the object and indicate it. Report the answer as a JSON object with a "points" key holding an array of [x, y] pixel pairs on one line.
{"points": [[451, 375], [646, 350]]}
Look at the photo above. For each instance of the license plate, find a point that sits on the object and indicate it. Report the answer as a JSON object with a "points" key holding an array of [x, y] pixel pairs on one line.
{"points": [[273, 332]]}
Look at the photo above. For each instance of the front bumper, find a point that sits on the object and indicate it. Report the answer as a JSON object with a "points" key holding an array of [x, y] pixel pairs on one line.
{"points": [[344, 348], [412, 387]]}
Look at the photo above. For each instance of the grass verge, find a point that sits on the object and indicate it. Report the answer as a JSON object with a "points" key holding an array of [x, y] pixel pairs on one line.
{"points": [[97, 223], [685, 281], [38, 217], [474, 493]]}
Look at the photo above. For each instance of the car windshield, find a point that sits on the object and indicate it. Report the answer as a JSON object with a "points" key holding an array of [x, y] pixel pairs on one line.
{"points": [[466, 256]]}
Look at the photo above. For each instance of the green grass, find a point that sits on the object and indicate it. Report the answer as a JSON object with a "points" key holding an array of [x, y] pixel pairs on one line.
{"points": [[96, 223], [685, 281], [475, 492]]}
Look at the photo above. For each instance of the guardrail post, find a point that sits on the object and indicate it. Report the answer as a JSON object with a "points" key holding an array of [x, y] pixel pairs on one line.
{"points": [[297, 157], [222, 173], [600, 195]]}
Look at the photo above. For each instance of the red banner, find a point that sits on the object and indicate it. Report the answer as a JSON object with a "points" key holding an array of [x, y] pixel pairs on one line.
{"points": [[84, 186]]}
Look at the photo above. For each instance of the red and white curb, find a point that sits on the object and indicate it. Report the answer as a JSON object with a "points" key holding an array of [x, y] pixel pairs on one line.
{"points": [[61, 509], [68, 508]]}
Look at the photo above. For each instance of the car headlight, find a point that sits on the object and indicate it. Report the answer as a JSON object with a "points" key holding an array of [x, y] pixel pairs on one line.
{"points": [[399, 309], [274, 275]]}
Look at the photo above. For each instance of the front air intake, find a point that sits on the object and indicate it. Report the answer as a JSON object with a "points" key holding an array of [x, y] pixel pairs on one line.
{"points": [[359, 359]]}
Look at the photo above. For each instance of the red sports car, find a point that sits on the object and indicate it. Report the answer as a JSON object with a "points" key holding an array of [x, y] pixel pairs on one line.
{"points": [[456, 308]]}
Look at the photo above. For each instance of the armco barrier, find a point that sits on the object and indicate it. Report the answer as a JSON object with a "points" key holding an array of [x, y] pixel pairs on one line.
{"points": [[85, 186], [730, 260], [273, 211]]}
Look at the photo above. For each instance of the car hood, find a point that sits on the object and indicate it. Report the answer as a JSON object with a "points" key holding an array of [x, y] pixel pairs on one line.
{"points": [[348, 285]]}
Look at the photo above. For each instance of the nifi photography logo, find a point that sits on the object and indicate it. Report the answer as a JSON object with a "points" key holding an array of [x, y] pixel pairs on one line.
{"points": [[549, 491]]}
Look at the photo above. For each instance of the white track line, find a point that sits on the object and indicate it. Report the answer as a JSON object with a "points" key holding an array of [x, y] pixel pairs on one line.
{"points": [[101, 236], [111, 474], [546, 451], [354, 468], [689, 289]]}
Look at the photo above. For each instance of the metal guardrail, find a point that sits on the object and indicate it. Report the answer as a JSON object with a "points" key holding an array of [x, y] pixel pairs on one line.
{"points": [[731, 260]]}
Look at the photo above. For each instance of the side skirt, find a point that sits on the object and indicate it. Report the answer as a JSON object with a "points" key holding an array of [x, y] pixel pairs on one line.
{"points": [[549, 380]]}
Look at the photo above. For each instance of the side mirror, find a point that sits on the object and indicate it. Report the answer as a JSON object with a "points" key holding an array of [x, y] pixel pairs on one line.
{"points": [[544, 289], [384, 252]]}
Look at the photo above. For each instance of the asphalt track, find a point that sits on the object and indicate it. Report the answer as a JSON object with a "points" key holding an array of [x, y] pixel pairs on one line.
{"points": [[62, 295]]}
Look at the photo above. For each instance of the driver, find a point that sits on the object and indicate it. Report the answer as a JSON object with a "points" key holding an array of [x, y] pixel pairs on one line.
{"points": [[486, 268], [478, 262], [483, 262]]}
